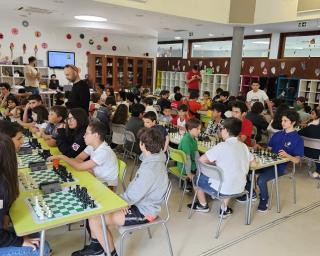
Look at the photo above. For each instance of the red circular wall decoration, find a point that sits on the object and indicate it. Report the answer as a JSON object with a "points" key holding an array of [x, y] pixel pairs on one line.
{"points": [[79, 45], [88, 52], [44, 45], [14, 31], [68, 36], [37, 33], [105, 39], [1, 36], [99, 47]]}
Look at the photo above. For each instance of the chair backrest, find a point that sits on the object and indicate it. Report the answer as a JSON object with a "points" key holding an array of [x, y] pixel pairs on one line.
{"points": [[122, 166], [158, 108], [129, 141], [311, 143], [166, 201], [177, 155], [211, 171], [118, 133]]}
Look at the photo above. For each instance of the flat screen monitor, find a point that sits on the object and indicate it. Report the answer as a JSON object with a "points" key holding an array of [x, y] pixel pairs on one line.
{"points": [[57, 59]]}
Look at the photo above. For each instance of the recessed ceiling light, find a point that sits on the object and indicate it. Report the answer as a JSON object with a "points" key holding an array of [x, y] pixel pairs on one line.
{"points": [[258, 30], [177, 37], [89, 18], [261, 42], [210, 34]]}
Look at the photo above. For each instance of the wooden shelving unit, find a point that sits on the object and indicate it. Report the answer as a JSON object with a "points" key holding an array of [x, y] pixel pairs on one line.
{"points": [[310, 89], [120, 71]]}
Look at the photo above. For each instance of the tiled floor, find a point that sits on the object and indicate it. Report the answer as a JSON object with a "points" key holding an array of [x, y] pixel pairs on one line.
{"points": [[294, 231]]}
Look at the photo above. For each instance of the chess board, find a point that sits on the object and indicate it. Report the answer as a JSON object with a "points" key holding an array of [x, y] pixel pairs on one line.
{"points": [[264, 157], [26, 143], [24, 160], [31, 180], [60, 204]]}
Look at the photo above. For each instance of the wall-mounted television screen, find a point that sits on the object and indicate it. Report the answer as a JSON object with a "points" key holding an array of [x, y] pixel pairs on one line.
{"points": [[57, 59]]}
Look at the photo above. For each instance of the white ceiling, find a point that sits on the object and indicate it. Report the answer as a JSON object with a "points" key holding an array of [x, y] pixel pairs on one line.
{"points": [[128, 21]]}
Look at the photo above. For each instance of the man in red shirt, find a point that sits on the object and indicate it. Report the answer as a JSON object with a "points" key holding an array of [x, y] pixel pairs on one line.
{"points": [[194, 79], [239, 110]]}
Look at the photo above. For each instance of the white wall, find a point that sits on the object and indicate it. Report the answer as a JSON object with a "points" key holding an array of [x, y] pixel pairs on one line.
{"points": [[56, 40]]}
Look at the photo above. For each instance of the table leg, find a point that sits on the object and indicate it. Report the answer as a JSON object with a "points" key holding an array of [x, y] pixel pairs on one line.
{"points": [[277, 187], [42, 242], [250, 198], [105, 235]]}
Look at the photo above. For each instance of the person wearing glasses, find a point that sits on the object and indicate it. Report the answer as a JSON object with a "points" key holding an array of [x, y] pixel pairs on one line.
{"points": [[80, 93], [70, 137]]}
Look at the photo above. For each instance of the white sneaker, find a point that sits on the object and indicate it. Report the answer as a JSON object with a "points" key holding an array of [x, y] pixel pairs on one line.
{"points": [[315, 175]]}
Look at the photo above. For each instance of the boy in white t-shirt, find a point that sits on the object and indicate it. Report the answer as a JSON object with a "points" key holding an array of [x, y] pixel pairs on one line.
{"points": [[258, 95], [234, 158], [103, 162]]}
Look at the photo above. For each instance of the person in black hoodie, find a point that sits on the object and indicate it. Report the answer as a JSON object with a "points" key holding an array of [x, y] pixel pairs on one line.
{"points": [[10, 243], [70, 139], [257, 119], [312, 148]]}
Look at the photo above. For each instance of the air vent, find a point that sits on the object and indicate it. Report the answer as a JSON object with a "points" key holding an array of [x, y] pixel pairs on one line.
{"points": [[30, 9], [179, 30]]}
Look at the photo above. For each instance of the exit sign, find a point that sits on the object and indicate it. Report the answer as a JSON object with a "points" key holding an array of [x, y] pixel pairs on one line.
{"points": [[302, 24]]}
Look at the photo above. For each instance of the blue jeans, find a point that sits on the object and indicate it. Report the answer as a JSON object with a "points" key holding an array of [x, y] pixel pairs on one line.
{"points": [[23, 251], [265, 175], [33, 90], [204, 185]]}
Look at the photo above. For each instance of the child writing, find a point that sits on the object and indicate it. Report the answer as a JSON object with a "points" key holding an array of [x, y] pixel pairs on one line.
{"points": [[57, 116], [103, 161]]}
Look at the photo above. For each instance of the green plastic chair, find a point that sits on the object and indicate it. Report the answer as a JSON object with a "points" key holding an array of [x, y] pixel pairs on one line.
{"points": [[180, 157], [122, 170]]}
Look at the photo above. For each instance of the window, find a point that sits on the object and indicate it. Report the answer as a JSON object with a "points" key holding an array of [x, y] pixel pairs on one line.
{"points": [[173, 49], [258, 47], [211, 49], [302, 46]]}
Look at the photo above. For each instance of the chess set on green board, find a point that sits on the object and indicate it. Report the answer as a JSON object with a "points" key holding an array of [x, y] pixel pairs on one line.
{"points": [[32, 180], [264, 156], [69, 202]]}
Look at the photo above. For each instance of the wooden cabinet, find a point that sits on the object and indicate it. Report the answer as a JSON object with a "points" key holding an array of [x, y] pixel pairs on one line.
{"points": [[120, 71]]}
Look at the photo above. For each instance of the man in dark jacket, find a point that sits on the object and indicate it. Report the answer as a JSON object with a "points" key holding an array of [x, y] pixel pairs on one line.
{"points": [[80, 93]]}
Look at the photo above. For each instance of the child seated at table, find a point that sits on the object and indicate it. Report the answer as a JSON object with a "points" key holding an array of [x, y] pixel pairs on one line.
{"points": [[34, 100], [12, 109], [206, 101], [70, 139], [189, 146], [150, 121], [144, 195], [287, 144], [234, 172], [103, 161], [40, 119], [181, 119], [10, 243], [165, 115], [177, 101], [57, 116]]}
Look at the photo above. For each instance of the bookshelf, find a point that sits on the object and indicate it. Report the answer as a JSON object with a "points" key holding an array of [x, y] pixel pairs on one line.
{"points": [[211, 82], [310, 89], [287, 89], [120, 71], [167, 80], [14, 75]]}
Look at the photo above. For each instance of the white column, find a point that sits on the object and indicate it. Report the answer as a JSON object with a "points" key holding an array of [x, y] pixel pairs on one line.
{"points": [[235, 61], [274, 45]]}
